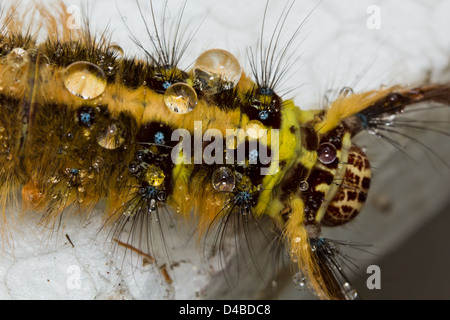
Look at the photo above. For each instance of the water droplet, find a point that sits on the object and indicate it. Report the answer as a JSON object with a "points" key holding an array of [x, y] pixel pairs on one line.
{"points": [[299, 281], [162, 196], [118, 51], [349, 292], [110, 70], [133, 168], [346, 91], [84, 80], [223, 180], [327, 153], [140, 155], [217, 68], [153, 206], [98, 162], [255, 129], [154, 176], [180, 98], [18, 57], [130, 211], [304, 185], [112, 135]]}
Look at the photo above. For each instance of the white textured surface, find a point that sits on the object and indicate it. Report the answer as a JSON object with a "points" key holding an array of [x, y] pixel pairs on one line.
{"points": [[337, 50]]}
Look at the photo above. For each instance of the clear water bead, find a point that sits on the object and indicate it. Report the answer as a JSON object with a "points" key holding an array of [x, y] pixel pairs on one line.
{"points": [[346, 91], [349, 292], [84, 79], [18, 57], [255, 129], [217, 67], [153, 206], [154, 176], [327, 153], [118, 51], [223, 180], [98, 162], [299, 281], [304, 185], [180, 98], [112, 136]]}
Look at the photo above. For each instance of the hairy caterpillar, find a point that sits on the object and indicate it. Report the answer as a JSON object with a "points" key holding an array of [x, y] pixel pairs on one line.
{"points": [[51, 208]]}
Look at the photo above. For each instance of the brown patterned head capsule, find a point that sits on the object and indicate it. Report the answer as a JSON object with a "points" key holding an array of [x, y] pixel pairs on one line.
{"points": [[352, 193]]}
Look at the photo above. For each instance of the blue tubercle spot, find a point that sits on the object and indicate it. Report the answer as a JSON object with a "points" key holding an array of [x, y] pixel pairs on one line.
{"points": [[253, 156], [74, 172], [266, 91], [159, 138], [317, 242], [363, 119], [243, 197], [264, 115], [149, 192], [85, 118], [166, 85]]}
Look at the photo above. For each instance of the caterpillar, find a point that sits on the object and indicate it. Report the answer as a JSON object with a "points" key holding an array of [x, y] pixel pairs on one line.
{"points": [[82, 123]]}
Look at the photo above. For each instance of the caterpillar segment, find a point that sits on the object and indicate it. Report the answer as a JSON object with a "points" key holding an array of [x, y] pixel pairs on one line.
{"points": [[81, 123], [15, 72]]}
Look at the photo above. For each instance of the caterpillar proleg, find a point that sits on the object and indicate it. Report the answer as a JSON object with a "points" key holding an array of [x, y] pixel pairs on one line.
{"points": [[166, 147]]}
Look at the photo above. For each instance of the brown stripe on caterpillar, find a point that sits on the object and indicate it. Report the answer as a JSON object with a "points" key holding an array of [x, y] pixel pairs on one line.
{"points": [[11, 174], [352, 193], [310, 138], [14, 101], [319, 180], [310, 141], [257, 105], [295, 176]]}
